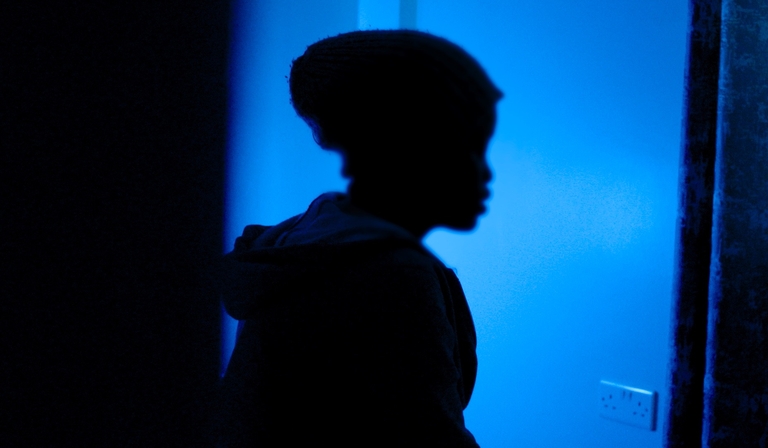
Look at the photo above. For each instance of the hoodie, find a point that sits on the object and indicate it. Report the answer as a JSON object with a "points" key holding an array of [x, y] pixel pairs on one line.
{"points": [[353, 334]]}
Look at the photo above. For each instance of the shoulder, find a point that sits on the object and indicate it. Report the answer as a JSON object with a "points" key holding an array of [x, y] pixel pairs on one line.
{"points": [[400, 262], [395, 254], [386, 255]]}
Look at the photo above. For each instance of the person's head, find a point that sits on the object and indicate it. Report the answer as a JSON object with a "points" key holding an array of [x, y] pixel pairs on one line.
{"points": [[411, 114]]}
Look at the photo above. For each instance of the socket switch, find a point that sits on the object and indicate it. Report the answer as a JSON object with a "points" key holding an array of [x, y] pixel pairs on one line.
{"points": [[630, 405]]}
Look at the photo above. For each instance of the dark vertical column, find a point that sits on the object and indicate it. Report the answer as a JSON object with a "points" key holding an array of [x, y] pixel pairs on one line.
{"points": [[736, 383], [683, 423], [112, 144]]}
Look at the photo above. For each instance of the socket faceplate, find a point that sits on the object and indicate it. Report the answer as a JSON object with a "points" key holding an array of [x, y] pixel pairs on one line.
{"points": [[630, 405]]}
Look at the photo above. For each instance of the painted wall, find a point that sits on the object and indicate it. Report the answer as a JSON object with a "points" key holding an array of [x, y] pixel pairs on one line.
{"points": [[275, 169], [569, 275]]}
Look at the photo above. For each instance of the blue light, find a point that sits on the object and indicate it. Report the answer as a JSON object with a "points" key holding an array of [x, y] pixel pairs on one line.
{"points": [[274, 167], [569, 275]]}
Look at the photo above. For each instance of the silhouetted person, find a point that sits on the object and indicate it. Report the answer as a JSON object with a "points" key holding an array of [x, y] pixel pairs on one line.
{"points": [[354, 334]]}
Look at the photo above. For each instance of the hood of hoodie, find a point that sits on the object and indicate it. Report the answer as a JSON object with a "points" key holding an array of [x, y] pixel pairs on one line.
{"points": [[268, 260], [330, 219]]}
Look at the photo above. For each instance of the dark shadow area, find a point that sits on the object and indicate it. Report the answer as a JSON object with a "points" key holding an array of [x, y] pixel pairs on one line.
{"points": [[113, 145]]}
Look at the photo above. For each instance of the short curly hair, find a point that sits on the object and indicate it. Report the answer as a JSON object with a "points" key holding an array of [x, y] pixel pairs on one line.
{"points": [[368, 90]]}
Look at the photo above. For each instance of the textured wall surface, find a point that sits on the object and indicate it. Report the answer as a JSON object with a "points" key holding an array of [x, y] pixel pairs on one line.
{"points": [[736, 382], [689, 317]]}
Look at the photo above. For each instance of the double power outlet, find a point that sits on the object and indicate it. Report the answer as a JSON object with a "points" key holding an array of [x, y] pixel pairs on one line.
{"points": [[630, 405]]}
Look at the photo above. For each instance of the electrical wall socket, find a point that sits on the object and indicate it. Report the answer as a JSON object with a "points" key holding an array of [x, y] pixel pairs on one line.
{"points": [[630, 405]]}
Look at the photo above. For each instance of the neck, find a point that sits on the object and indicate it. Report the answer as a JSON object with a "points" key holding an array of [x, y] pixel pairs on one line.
{"points": [[390, 204]]}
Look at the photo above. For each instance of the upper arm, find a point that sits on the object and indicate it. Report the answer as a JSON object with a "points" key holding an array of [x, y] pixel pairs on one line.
{"points": [[413, 354]]}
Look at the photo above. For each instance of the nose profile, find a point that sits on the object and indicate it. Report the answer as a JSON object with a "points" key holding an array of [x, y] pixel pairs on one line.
{"points": [[487, 173], [484, 170]]}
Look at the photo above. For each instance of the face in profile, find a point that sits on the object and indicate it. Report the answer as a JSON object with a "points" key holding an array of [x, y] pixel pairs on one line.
{"points": [[456, 181]]}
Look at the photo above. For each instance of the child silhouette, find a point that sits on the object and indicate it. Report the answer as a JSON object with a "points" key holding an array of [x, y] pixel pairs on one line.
{"points": [[353, 333]]}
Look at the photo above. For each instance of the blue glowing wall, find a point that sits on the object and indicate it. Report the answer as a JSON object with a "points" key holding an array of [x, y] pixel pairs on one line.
{"points": [[274, 167], [569, 275]]}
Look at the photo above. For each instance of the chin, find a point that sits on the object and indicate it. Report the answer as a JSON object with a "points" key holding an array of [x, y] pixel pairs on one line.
{"points": [[463, 216], [465, 224]]}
